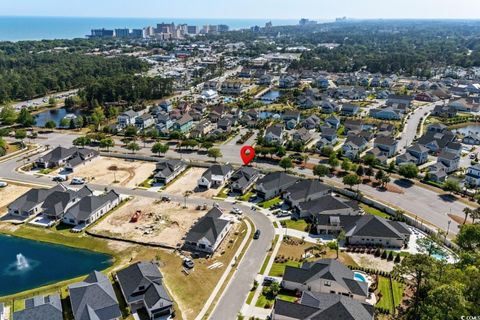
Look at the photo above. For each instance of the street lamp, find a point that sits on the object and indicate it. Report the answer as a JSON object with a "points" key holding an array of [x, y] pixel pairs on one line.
{"points": [[448, 228]]}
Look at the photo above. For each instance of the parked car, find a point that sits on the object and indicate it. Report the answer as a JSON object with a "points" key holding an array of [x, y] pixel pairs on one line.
{"points": [[3, 184], [236, 210], [166, 199], [60, 178], [188, 263], [283, 213], [267, 281], [257, 234], [77, 180]]}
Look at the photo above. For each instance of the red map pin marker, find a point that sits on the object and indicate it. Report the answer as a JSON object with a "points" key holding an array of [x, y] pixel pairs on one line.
{"points": [[247, 153]]}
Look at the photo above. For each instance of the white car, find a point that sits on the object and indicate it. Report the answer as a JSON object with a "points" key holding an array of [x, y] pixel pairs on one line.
{"points": [[3, 184], [237, 211], [77, 180]]}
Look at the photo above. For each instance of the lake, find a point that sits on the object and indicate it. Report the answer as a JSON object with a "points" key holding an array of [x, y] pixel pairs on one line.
{"points": [[56, 115], [270, 96], [472, 128], [27, 264]]}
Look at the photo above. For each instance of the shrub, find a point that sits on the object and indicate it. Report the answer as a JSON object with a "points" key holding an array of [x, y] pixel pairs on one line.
{"points": [[384, 255], [390, 256], [397, 258], [378, 252]]}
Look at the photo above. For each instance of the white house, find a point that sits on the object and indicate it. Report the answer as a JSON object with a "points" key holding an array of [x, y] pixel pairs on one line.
{"points": [[215, 176]]}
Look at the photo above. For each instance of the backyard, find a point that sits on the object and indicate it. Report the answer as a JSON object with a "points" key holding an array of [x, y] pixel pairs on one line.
{"points": [[387, 300]]}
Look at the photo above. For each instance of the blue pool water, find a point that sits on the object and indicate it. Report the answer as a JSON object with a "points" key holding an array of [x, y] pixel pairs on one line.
{"points": [[27, 264], [359, 277]]}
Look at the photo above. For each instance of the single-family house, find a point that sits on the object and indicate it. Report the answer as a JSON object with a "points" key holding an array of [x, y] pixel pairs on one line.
{"points": [[94, 298], [388, 113], [326, 205], [322, 306], [232, 87], [89, 209], [305, 190], [302, 135], [288, 82], [387, 145], [311, 123], [416, 154], [350, 109], [472, 177], [325, 276], [333, 121], [353, 146], [444, 111], [167, 170], [450, 160], [274, 134], [274, 184], [215, 176], [243, 179], [142, 288], [329, 107], [144, 121], [328, 138], [31, 202], [207, 233], [127, 118], [166, 105], [40, 308], [471, 139], [184, 124]]}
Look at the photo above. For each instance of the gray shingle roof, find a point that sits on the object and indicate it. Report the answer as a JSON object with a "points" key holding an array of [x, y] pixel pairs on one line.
{"points": [[326, 203], [326, 269], [373, 226], [82, 210], [142, 281], [305, 188], [276, 180], [94, 298], [209, 226], [41, 308], [34, 197]]}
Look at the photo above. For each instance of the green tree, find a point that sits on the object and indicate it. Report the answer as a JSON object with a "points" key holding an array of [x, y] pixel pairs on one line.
{"points": [[50, 124], [52, 101], [346, 165], [82, 141], [206, 145], [385, 180], [159, 148], [321, 170], [340, 237], [370, 160], [351, 180], [286, 163], [130, 131], [333, 161], [98, 116], [469, 237], [467, 211], [409, 170], [416, 269], [379, 175], [360, 171], [25, 118], [107, 143], [281, 152], [133, 146], [20, 135], [214, 153], [446, 302], [8, 116], [369, 172], [451, 186]]}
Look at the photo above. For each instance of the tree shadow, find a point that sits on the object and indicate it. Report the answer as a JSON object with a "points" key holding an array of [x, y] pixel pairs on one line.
{"points": [[446, 197], [404, 183]]}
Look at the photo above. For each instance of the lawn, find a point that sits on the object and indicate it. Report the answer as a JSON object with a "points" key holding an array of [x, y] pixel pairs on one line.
{"points": [[300, 224], [246, 196], [267, 258], [373, 211], [279, 268], [270, 203], [223, 194], [268, 301], [387, 301]]}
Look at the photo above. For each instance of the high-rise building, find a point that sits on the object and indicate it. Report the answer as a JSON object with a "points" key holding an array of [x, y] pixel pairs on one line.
{"points": [[101, 33], [222, 28], [122, 33], [268, 25], [192, 30], [136, 33]]}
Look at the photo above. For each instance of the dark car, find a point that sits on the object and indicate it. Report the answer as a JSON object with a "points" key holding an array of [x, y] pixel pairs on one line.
{"points": [[188, 263], [256, 234]]}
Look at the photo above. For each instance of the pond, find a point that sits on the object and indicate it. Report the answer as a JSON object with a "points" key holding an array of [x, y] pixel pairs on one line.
{"points": [[270, 96], [472, 128], [27, 264], [55, 115]]}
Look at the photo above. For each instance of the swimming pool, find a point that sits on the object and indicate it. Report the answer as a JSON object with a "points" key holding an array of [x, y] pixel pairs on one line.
{"points": [[359, 277]]}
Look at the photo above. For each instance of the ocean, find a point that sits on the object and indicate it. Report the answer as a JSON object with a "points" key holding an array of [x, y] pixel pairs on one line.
{"points": [[39, 28]]}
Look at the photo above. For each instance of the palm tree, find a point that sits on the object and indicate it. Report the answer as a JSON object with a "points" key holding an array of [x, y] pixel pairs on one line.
{"points": [[475, 214], [341, 237], [467, 211]]}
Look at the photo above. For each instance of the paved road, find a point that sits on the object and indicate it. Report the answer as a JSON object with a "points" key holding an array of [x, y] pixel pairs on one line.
{"points": [[427, 204], [410, 130], [239, 287]]}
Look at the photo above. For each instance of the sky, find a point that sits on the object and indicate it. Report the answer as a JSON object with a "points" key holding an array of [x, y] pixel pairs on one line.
{"points": [[254, 9]]}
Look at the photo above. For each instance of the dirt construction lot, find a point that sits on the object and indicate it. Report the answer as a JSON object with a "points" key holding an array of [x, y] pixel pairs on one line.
{"points": [[10, 193], [160, 222], [103, 171], [188, 182]]}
